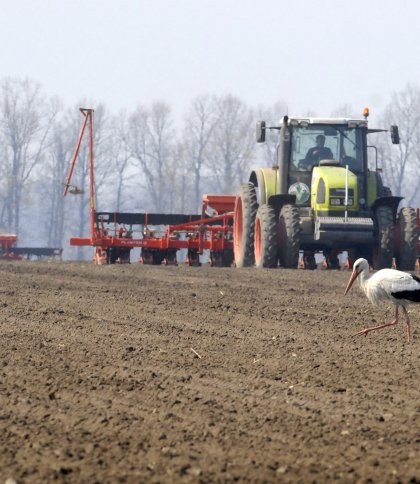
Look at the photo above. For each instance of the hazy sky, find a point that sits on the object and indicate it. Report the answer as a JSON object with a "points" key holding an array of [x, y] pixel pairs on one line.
{"points": [[315, 55]]}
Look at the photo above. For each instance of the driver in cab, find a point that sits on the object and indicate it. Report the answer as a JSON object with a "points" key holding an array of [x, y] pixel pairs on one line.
{"points": [[316, 154]]}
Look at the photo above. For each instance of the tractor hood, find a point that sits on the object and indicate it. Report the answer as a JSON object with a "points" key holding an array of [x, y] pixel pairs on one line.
{"points": [[328, 190]]}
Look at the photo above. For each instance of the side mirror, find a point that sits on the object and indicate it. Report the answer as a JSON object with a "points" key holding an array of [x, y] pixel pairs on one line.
{"points": [[260, 132], [395, 135]]}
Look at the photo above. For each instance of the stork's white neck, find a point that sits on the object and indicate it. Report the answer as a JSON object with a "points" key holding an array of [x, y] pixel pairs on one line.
{"points": [[363, 278]]}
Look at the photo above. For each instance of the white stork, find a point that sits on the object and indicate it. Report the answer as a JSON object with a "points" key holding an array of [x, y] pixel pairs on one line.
{"points": [[399, 288]]}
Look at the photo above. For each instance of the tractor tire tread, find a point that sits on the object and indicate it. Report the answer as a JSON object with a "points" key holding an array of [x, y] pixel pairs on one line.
{"points": [[268, 222], [289, 226], [248, 198], [386, 238], [406, 254]]}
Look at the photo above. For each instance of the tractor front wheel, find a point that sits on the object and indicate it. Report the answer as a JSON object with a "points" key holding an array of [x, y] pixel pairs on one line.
{"points": [[407, 238], [244, 226], [265, 242], [289, 233]]}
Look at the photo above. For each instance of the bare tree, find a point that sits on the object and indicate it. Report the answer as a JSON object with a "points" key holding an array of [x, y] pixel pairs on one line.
{"points": [[150, 142], [232, 144], [266, 153], [25, 121], [117, 178], [401, 161], [199, 125], [55, 167], [345, 111], [180, 182]]}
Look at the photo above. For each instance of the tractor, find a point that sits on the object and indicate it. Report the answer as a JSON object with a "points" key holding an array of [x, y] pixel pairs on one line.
{"points": [[321, 196]]}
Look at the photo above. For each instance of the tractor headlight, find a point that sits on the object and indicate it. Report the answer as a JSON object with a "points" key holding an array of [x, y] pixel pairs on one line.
{"points": [[335, 201]]}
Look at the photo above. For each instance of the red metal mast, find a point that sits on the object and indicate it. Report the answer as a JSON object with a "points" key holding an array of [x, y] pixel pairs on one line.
{"points": [[88, 114]]}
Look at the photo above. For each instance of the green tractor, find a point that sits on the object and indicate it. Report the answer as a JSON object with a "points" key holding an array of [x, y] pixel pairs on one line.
{"points": [[322, 197]]}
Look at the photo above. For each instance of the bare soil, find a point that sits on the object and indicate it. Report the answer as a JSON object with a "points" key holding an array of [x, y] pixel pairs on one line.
{"points": [[176, 374]]}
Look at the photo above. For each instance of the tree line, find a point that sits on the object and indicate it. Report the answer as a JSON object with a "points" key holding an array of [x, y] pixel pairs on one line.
{"points": [[145, 161]]}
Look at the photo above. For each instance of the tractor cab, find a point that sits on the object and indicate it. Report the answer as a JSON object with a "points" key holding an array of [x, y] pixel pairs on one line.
{"points": [[319, 146]]}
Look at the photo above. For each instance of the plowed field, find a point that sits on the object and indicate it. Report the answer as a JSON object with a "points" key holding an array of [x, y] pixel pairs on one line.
{"points": [[176, 374]]}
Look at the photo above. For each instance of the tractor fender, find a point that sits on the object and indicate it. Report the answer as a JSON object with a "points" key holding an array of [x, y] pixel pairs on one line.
{"points": [[278, 201], [265, 181], [376, 187], [391, 202]]}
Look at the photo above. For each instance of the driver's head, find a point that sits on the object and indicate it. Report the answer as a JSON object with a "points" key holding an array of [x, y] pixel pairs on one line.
{"points": [[320, 140]]}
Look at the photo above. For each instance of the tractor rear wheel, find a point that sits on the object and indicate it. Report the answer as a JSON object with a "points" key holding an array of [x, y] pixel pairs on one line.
{"points": [[289, 232], [244, 226], [407, 238], [383, 253], [265, 241]]}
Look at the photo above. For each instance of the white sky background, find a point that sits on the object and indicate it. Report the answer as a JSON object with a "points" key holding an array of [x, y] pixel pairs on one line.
{"points": [[314, 55]]}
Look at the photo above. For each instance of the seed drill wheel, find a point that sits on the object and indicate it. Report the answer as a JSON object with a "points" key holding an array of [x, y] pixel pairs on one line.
{"points": [[151, 257], [221, 258], [265, 243], [170, 258], [244, 226], [100, 257], [289, 234], [383, 253], [193, 258], [407, 236], [124, 255], [146, 257], [331, 260], [308, 260]]}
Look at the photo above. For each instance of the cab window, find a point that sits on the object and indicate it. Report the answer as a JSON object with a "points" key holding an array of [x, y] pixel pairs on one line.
{"points": [[313, 143]]}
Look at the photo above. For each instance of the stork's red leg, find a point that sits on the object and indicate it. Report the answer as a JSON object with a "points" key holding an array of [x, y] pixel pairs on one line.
{"points": [[374, 328], [407, 322]]}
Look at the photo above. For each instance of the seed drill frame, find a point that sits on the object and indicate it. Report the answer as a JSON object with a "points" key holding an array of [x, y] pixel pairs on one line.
{"points": [[161, 235]]}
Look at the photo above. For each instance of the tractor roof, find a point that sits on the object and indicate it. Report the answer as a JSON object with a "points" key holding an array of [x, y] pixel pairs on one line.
{"points": [[339, 121]]}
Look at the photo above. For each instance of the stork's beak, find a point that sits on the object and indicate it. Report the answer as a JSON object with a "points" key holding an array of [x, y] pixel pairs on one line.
{"points": [[353, 277]]}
